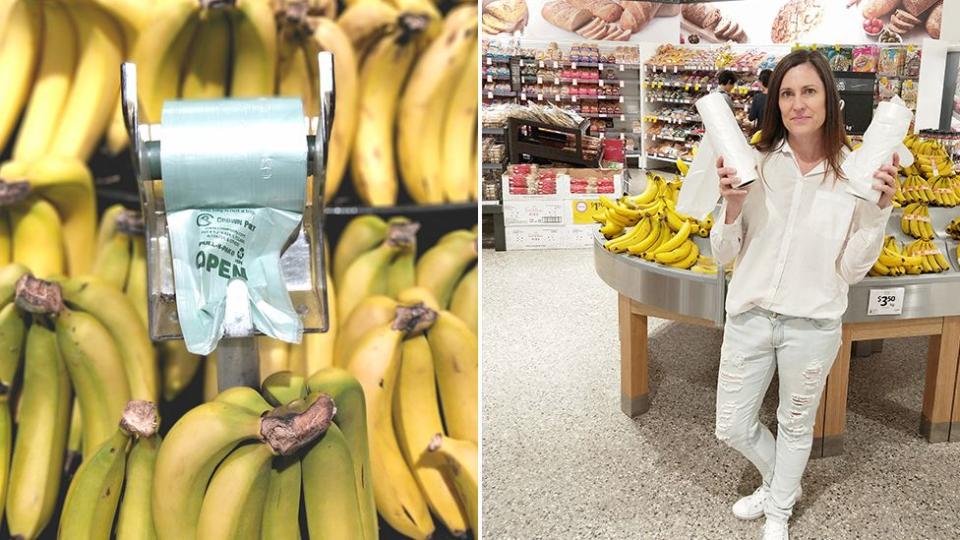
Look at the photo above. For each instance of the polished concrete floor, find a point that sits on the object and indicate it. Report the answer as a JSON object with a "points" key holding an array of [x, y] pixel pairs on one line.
{"points": [[560, 461]]}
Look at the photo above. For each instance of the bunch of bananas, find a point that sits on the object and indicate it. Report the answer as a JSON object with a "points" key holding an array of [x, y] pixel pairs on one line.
{"points": [[48, 219], [953, 228], [914, 189], [916, 221], [236, 467], [413, 362], [930, 158], [85, 355], [60, 64], [123, 464], [649, 226], [932, 261], [946, 190], [705, 265]]}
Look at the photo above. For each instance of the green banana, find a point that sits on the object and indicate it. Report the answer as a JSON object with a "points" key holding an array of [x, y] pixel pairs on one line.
{"points": [[243, 475], [351, 419], [6, 442], [331, 500], [245, 398], [9, 276], [362, 234], [136, 513], [12, 331], [38, 455], [367, 274], [281, 513], [402, 272], [283, 387], [440, 268]]}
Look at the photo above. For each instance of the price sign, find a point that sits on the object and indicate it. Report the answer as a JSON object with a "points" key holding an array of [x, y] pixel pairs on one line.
{"points": [[573, 99], [556, 65], [556, 81], [489, 78], [489, 95], [674, 69], [539, 97], [621, 84], [621, 99], [573, 65], [885, 301], [623, 118], [600, 82], [521, 63], [600, 66], [541, 63], [621, 67], [489, 61], [523, 96], [539, 80], [574, 82]]}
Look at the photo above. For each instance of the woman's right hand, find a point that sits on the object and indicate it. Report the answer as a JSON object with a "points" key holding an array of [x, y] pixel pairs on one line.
{"points": [[733, 196]]}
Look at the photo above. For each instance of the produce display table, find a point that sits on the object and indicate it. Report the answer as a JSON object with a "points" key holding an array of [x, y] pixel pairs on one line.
{"points": [[930, 308]]}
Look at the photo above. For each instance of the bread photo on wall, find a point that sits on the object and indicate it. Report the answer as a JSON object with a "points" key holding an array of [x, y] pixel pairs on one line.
{"points": [[605, 20], [795, 19], [903, 16], [708, 24], [504, 16]]}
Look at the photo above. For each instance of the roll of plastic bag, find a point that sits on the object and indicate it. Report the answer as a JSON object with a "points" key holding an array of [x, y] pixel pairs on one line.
{"points": [[701, 186], [727, 139], [883, 138]]}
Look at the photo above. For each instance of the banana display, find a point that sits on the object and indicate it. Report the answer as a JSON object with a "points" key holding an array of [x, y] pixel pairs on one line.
{"points": [[939, 190], [647, 225], [931, 158], [919, 257], [915, 221], [953, 228]]}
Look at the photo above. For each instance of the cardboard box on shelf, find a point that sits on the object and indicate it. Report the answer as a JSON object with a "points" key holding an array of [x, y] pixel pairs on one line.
{"points": [[537, 212], [521, 237]]}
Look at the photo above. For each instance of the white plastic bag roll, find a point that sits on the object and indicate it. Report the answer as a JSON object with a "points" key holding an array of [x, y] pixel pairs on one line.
{"points": [[883, 138], [701, 186], [727, 139]]}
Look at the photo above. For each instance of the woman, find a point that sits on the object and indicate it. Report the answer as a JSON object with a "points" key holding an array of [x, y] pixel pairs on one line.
{"points": [[799, 241]]}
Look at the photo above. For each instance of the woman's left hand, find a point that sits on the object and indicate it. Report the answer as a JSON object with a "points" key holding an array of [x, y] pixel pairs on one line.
{"points": [[886, 182]]}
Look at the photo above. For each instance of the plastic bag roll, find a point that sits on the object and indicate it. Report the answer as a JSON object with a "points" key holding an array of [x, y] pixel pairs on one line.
{"points": [[883, 138], [727, 139], [701, 186]]}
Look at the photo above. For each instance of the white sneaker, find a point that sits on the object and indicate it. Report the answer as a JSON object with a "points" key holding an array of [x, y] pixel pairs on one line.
{"points": [[751, 506], [774, 530]]}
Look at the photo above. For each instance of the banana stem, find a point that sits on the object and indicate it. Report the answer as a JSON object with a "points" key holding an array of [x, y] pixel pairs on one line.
{"points": [[140, 418], [130, 222], [412, 320], [402, 234], [13, 191], [286, 433], [37, 296]]}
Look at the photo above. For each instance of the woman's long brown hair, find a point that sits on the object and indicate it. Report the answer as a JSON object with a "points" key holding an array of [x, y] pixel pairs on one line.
{"points": [[833, 134]]}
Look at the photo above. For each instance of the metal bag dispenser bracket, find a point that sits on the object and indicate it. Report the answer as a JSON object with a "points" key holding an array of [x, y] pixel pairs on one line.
{"points": [[302, 263]]}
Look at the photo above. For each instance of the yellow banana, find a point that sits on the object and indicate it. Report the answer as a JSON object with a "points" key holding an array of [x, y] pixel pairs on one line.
{"points": [[689, 260], [180, 366], [464, 302], [136, 287], [113, 261], [136, 514], [281, 511], [20, 44], [330, 494], [362, 234], [367, 275], [161, 52], [441, 267], [463, 462], [273, 356], [454, 349], [416, 418], [365, 23], [12, 333], [370, 313], [318, 349], [254, 48], [207, 71], [38, 237], [230, 503]]}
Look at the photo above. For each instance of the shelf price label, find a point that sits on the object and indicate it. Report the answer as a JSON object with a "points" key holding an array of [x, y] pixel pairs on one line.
{"points": [[573, 99], [600, 67], [521, 63], [556, 81], [489, 95], [621, 99], [556, 65], [489, 78], [621, 67], [489, 61], [600, 82], [623, 118], [539, 80], [539, 97], [523, 96], [574, 82], [674, 69], [541, 63], [886, 301], [573, 65]]}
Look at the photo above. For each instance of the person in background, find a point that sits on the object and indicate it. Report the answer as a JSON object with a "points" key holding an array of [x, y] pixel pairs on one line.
{"points": [[727, 79], [759, 102], [798, 240]]}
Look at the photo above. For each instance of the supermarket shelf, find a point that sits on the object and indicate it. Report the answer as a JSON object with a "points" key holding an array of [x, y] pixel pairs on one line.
{"points": [[491, 78], [493, 131], [577, 82], [670, 138], [488, 60], [682, 68], [673, 120], [669, 159], [499, 93], [491, 207], [574, 99], [574, 65], [403, 209], [622, 117], [680, 101], [493, 166]]}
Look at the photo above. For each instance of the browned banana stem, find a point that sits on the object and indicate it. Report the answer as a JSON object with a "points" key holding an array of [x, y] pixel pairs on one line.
{"points": [[13, 191], [35, 295], [287, 431], [413, 320], [402, 234], [140, 418], [130, 222]]}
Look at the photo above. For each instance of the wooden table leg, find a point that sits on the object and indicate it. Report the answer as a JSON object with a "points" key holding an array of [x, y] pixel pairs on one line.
{"points": [[634, 381], [940, 387], [816, 451], [833, 403]]}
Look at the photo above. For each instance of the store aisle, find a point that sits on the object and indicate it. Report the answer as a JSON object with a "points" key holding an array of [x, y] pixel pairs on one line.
{"points": [[560, 461]]}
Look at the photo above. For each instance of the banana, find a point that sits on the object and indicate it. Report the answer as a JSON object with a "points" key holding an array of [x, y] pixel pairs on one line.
{"points": [[620, 243], [293, 75], [646, 243], [674, 255], [179, 368], [254, 49], [416, 418], [362, 234], [201, 439], [367, 275], [6, 442], [690, 259], [283, 387], [649, 193], [44, 412], [366, 22], [273, 356], [351, 419], [370, 313], [97, 373], [326, 35], [91, 504], [6, 238], [12, 332], [113, 261], [441, 267], [96, 83], [418, 295], [68, 184], [331, 500], [454, 349], [161, 52], [281, 511], [108, 225], [463, 462], [113, 310], [20, 44], [207, 70], [463, 303], [319, 348], [136, 514], [37, 237], [423, 112], [74, 440], [245, 398], [375, 363], [382, 76], [210, 388], [52, 87], [402, 272], [242, 477], [136, 288]]}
